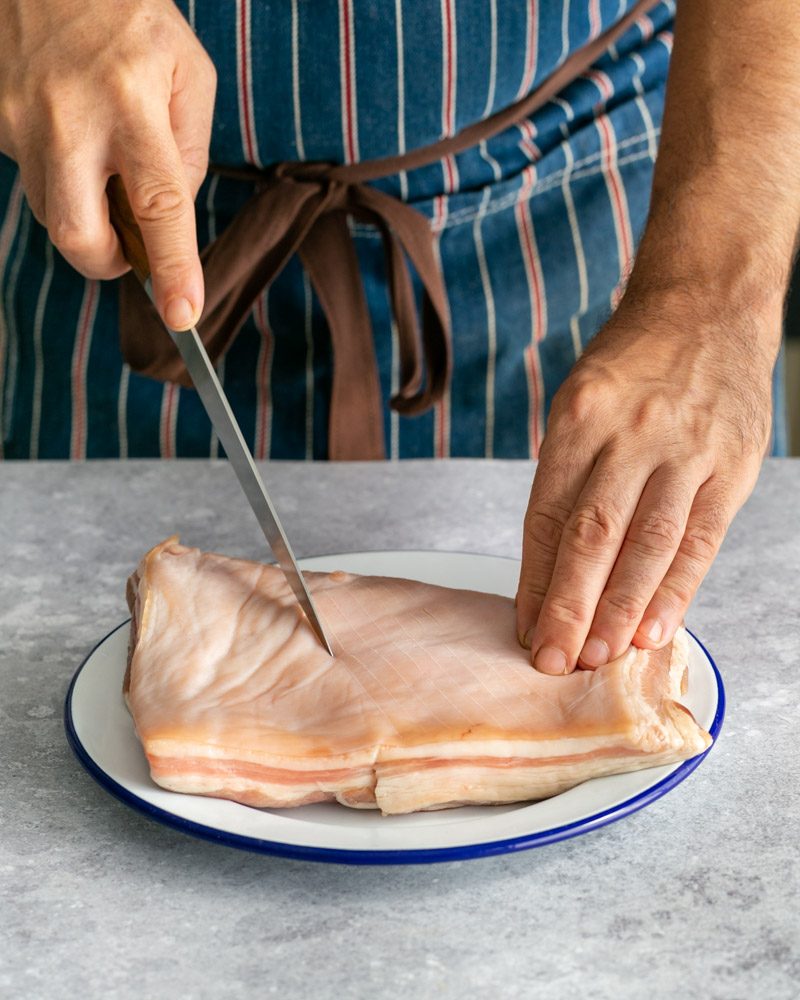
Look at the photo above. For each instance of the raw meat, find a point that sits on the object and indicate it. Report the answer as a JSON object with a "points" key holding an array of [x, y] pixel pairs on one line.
{"points": [[429, 702]]}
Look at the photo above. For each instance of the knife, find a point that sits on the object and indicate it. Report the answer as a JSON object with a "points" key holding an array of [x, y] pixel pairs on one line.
{"points": [[218, 409]]}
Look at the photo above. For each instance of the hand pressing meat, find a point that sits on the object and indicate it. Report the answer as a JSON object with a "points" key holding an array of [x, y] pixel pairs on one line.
{"points": [[428, 703], [656, 437]]}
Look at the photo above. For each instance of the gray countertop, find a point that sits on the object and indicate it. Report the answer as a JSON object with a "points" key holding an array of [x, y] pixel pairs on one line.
{"points": [[695, 896]]}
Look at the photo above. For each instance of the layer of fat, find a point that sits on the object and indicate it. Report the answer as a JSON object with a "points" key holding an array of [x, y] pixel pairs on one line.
{"points": [[458, 748], [419, 790]]}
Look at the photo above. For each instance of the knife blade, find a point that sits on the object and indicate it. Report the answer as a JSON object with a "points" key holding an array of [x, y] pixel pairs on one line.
{"points": [[219, 411]]}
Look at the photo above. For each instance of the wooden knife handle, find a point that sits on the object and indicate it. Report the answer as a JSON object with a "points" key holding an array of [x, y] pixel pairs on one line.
{"points": [[124, 222]]}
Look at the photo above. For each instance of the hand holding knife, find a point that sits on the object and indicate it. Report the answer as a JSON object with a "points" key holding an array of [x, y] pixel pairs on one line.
{"points": [[219, 411]]}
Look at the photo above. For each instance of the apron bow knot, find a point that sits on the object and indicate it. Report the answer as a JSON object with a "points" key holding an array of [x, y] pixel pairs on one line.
{"points": [[305, 209]]}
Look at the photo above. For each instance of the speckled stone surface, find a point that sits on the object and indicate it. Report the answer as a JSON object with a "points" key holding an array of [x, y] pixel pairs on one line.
{"points": [[695, 896]]}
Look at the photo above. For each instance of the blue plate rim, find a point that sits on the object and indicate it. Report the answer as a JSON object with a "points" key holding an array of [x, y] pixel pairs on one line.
{"points": [[386, 857]]}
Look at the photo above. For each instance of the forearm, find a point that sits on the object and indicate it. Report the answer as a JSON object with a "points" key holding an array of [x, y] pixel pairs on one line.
{"points": [[726, 194]]}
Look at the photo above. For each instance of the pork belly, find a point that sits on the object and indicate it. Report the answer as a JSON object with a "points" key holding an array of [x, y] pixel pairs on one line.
{"points": [[429, 701]]}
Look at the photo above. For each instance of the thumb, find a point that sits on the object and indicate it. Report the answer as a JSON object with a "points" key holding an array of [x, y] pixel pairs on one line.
{"points": [[161, 201]]}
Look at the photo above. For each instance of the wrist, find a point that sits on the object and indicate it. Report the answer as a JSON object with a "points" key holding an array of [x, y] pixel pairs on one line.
{"points": [[731, 286], [681, 322], [710, 244]]}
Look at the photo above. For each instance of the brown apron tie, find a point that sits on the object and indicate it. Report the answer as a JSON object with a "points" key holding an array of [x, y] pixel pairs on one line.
{"points": [[304, 208]]}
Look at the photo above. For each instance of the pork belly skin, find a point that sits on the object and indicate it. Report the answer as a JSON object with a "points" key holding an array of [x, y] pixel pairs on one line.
{"points": [[428, 703]]}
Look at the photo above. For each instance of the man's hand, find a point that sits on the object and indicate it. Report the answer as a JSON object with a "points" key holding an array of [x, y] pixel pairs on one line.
{"points": [[654, 442], [655, 439], [88, 90]]}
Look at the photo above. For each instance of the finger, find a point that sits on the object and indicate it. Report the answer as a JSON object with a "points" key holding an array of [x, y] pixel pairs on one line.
{"points": [[590, 543], [161, 200], [650, 544], [77, 214], [191, 112], [709, 518], [561, 474]]}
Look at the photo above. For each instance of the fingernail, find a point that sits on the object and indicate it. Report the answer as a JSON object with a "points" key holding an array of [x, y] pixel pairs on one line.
{"points": [[525, 637], [653, 629], [595, 652], [550, 660], [179, 313]]}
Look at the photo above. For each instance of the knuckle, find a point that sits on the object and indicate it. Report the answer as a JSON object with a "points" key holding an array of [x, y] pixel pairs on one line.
{"points": [[71, 239], [623, 608], [545, 523], [592, 526], [566, 610], [532, 592], [578, 399], [677, 592], [125, 86], [652, 411], [703, 538], [656, 533], [157, 200]]}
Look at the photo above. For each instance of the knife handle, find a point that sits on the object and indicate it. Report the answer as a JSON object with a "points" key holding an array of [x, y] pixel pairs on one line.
{"points": [[124, 222]]}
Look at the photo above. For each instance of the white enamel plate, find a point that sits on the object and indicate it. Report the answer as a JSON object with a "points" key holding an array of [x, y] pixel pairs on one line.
{"points": [[101, 733]]}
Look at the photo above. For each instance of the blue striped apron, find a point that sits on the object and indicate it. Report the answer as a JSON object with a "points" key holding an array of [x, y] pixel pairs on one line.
{"points": [[535, 228]]}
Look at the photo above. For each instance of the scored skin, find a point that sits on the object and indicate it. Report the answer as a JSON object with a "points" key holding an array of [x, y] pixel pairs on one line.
{"points": [[88, 90], [656, 438], [429, 702]]}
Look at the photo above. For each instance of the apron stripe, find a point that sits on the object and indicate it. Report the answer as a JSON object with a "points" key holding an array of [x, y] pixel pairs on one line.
{"points": [[538, 311], [263, 377], [245, 82], [80, 357], [12, 344], [449, 72], [401, 93], [531, 47], [494, 166], [565, 12], [348, 74], [38, 353], [614, 184], [7, 234], [527, 131], [449, 65], [645, 26], [492, 59], [644, 111], [491, 324], [566, 107], [441, 415], [580, 256], [298, 118], [394, 416], [595, 24], [666, 38]]}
